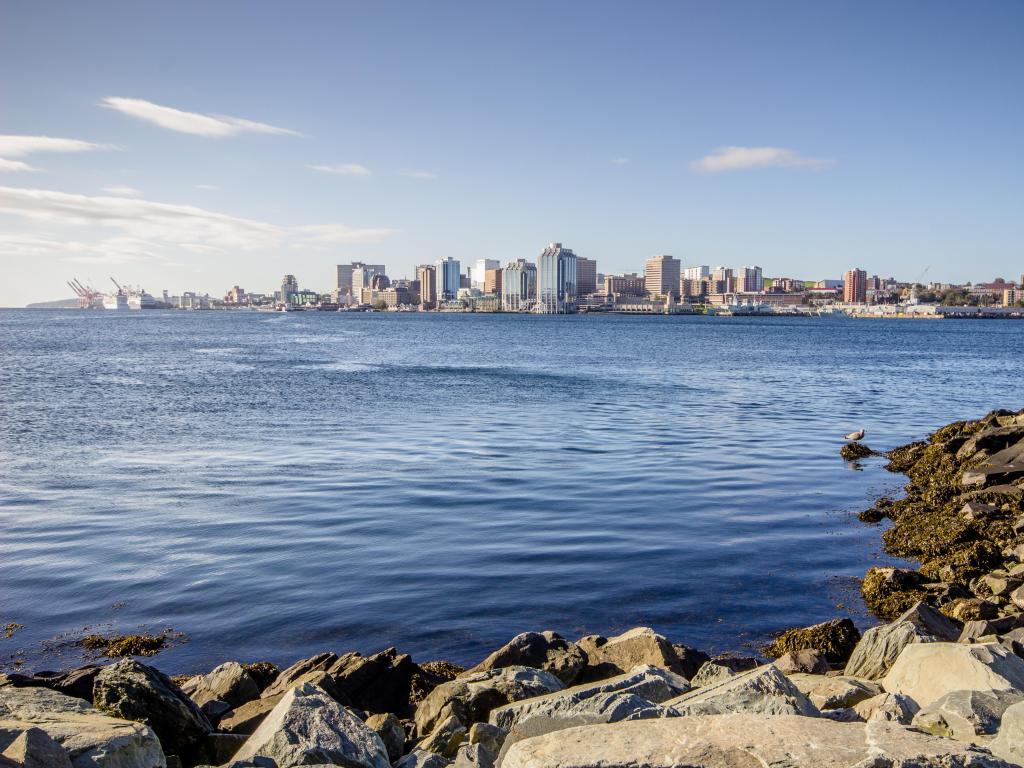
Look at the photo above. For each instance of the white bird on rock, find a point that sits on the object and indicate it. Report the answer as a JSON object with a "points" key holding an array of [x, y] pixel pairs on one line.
{"points": [[858, 435]]}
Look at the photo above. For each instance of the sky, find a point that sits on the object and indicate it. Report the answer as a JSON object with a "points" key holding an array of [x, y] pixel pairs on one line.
{"points": [[198, 145]]}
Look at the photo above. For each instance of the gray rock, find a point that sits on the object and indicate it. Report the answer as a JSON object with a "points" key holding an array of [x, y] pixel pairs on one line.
{"points": [[965, 715], [891, 707], [134, 691], [540, 650], [490, 737], [808, 660], [472, 697], [308, 726], [879, 647], [378, 683], [928, 671], [931, 623], [745, 741], [608, 656], [298, 673], [90, 738], [834, 692], [764, 690], [474, 756], [721, 668], [248, 717], [34, 748], [1009, 742], [646, 682], [391, 732], [445, 739], [222, 747], [568, 712], [229, 683], [420, 759]]}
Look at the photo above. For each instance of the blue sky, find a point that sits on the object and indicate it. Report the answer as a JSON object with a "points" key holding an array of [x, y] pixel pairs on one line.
{"points": [[804, 137]]}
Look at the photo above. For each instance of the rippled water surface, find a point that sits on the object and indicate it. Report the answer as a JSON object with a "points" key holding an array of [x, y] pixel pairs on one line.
{"points": [[275, 485]]}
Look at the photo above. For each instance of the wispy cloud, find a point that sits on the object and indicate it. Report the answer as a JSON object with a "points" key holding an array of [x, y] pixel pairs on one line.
{"points": [[343, 169], [216, 126], [208, 187], [422, 175], [15, 165], [150, 227], [111, 250], [22, 146], [620, 161], [122, 191], [742, 158]]}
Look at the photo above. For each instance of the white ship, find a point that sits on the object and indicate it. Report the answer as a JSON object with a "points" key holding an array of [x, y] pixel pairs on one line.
{"points": [[127, 297], [117, 301]]}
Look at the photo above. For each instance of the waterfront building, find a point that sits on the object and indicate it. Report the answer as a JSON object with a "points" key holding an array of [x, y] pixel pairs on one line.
{"points": [[721, 281], [586, 276], [628, 284], [1011, 296], [236, 296], [289, 287], [661, 275], [492, 282], [449, 278], [855, 287], [478, 272], [556, 280], [344, 276], [518, 286], [363, 275], [698, 273], [427, 276], [750, 280], [692, 289]]}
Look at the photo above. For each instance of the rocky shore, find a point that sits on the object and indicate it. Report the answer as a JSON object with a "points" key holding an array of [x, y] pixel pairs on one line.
{"points": [[940, 685]]}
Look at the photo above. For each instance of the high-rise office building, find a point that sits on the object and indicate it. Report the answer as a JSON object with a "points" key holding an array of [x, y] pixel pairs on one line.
{"points": [[855, 286], [695, 273], [289, 287], [721, 280], [628, 284], [449, 278], [426, 274], [586, 276], [750, 280], [518, 285], [478, 272], [556, 280], [661, 276], [346, 274], [492, 282]]}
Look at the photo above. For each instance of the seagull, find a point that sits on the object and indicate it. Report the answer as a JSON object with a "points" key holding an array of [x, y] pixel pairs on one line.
{"points": [[858, 435]]}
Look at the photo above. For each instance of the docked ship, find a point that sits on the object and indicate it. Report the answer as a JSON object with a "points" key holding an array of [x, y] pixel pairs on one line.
{"points": [[127, 297]]}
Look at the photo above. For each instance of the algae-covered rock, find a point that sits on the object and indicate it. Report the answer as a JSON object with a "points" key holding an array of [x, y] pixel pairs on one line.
{"points": [[835, 638], [888, 591], [853, 451]]}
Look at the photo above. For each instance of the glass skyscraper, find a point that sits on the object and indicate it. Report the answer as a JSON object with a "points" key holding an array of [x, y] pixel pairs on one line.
{"points": [[448, 279], [518, 285], [556, 280]]}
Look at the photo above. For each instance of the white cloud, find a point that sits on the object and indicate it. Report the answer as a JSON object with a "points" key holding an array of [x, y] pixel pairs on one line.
{"points": [[15, 165], [741, 158], [195, 123], [122, 191], [21, 146], [208, 187], [144, 226], [620, 161], [423, 175], [111, 250], [343, 169]]}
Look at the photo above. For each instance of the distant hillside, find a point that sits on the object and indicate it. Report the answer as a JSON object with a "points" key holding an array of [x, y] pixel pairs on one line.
{"points": [[58, 304]]}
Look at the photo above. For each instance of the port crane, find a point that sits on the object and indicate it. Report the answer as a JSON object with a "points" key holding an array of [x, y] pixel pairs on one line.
{"points": [[88, 297]]}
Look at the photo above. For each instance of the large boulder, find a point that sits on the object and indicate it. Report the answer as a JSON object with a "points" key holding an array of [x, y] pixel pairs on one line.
{"points": [[134, 691], [809, 660], [308, 727], [378, 683], [229, 682], [248, 717], [74, 682], [744, 741], [965, 715], [420, 758], [90, 738], [927, 671], [879, 646], [652, 684], [299, 672], [446, 738], [722, 668], [391, 732], [472, 697], [764, 690], [608, 656], [1009, 742], [34, 748], [835, 638], [893, 707], [541, 650], [834, 692]]}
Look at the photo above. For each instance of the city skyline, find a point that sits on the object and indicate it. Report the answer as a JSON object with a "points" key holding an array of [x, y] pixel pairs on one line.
{"points": [[206, 146]]}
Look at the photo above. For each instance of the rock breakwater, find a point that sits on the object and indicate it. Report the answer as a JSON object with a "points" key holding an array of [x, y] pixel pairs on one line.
{"points": [[941, 684]]}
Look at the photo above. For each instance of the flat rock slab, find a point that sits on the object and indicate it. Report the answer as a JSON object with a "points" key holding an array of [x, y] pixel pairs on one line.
{"points": [[764, 690], [928, 671], [745, 741], [91, 739]]}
